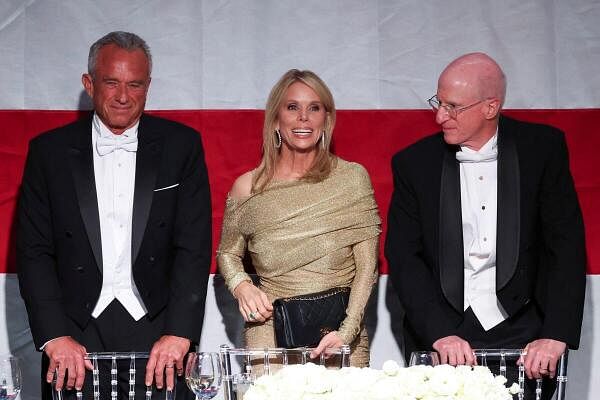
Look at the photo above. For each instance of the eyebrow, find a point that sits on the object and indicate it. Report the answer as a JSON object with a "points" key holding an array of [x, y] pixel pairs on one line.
{"points": [[300, 101]]}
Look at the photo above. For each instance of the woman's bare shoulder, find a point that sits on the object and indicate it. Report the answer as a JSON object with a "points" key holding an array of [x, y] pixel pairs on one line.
{"points": [[242, 187]]}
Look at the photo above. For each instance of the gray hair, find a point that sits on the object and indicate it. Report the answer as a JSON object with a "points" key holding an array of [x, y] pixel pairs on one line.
{"points": [[124, 40]]}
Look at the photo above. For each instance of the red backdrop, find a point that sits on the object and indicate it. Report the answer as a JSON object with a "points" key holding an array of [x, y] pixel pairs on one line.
{"points": [[232, 140]]}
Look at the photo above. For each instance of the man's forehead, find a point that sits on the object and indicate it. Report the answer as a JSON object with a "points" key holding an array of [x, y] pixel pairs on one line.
{"points": [[456, 84], [112, 51]]}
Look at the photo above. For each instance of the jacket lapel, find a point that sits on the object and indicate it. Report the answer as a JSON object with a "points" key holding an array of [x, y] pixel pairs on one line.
{"points": [[509, 214], [450, 232], [82, 167], [147, 160]]}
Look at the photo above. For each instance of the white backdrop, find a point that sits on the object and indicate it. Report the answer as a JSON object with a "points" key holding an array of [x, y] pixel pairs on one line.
{"points": [[373, 54]]}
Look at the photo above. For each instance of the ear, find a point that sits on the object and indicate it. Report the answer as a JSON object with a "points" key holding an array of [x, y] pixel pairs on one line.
{"points": [[493, 108], [88, 84], [148, 85]]}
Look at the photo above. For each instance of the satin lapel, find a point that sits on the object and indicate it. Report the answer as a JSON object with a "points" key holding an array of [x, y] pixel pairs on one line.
{"points": [[509, 214], [147, 160], [82, 167], [450, 233]]}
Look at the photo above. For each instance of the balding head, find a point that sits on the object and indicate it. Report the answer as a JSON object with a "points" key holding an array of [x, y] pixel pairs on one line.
{"points": [[480, 72], [471, 92]]}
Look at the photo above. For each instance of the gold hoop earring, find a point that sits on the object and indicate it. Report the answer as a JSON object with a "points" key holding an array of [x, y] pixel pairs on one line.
{"points": [[278, 140]]}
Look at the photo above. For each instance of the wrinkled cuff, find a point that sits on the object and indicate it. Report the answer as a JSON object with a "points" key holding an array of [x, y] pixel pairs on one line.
{"points": [[237, 279], [348, 334]]}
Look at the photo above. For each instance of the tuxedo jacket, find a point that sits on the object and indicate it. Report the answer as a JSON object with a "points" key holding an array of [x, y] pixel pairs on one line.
{"points": [[540, 242], [59, 252]]}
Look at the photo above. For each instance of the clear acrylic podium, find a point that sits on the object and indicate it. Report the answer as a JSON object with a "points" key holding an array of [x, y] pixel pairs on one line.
{"points": [[512, 355], [286, 357], [113, 358], [265, 356]]}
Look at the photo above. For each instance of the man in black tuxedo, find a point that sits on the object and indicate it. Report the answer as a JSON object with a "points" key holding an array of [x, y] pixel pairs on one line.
{"points": [[114, 229], [485, 236]]}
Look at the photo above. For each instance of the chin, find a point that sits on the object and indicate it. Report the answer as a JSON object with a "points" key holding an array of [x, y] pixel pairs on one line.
{"points": [[120, 123], [451, 139], [304, 149]]}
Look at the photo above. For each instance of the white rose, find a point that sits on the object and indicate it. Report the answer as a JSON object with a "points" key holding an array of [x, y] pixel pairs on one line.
{"points": [[500, 380], [385, 389], [514, 388], [390, 367], [312, 382], [445, 381]]}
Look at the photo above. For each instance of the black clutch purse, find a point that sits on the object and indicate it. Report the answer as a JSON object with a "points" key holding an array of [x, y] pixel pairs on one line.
{"points": [[302, 321]]}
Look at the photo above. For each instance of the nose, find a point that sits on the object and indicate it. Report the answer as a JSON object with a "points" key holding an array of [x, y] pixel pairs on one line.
{"points": [[122, 94], [302, 115], [441, 115]]}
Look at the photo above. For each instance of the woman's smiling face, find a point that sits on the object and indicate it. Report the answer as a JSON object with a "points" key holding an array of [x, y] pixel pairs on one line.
{"points": [[301, 118]]}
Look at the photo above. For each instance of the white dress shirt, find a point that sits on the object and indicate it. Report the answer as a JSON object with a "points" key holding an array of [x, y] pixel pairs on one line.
{"points": [[478, 191], [114, 172]]}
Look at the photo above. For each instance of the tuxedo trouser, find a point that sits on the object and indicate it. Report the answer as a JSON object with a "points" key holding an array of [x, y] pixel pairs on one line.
{"points": [[512, 333], [115, 330]]}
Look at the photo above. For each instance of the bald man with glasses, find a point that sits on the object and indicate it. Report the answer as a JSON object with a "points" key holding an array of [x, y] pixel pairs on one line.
{"points": [[485, 237]]}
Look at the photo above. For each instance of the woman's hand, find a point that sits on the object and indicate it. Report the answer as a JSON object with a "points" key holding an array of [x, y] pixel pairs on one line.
{"points": [[253, 302], [329, 341]]}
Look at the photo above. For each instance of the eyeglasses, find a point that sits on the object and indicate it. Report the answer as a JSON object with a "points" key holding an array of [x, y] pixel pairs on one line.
{"points": [[451, 109]]}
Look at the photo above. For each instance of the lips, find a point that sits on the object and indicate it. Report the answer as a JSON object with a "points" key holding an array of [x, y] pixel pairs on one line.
{"points": [[446, 128], [302, 132]]}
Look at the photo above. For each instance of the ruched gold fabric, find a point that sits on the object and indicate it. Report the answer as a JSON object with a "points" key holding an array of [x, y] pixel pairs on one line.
{"points": [[303, 238]]}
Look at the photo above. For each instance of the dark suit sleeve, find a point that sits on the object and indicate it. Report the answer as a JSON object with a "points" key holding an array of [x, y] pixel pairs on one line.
{"points": [[564, 260], [36, 258], [192, 249], [411, 274]]}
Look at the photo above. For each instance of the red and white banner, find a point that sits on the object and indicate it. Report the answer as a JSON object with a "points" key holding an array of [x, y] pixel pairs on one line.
{"points": [[215, 62]]}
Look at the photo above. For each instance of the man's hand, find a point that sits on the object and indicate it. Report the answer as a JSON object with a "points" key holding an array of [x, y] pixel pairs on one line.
{"points": [[454, 350], [541, 357], [329, 341], [166, 358], [253, 302], [67, 359]]}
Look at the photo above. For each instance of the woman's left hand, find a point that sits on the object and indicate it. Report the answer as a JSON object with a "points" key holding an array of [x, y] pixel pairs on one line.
{"points": [[329, 341]]}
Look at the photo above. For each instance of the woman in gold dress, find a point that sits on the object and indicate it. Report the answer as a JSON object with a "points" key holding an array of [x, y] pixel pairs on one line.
{"points": [[307, 218]]}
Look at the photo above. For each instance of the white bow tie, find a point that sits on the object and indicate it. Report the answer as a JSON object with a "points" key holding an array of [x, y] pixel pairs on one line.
{"points": [[472, 157], [106, 145]]}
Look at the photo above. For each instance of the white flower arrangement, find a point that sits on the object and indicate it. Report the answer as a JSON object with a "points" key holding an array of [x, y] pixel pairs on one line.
{"points": [[444, 382]]}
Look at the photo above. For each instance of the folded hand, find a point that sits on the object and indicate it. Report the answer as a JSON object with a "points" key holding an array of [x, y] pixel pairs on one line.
{"points": [[253, 303], [67, 359], [454, 350], [166, 358], [541, 357]]}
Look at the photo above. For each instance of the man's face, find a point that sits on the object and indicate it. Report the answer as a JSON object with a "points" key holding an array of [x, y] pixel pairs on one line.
{"points": [[119, 86], [458, 89]]}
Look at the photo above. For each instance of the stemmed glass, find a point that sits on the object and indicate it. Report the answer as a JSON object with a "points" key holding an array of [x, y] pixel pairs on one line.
{"points": [[424, 358], [10, 377], [203, 374]]}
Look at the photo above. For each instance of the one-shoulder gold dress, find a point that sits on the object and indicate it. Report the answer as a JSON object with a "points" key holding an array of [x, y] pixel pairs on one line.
{"points": [[307, 237]]}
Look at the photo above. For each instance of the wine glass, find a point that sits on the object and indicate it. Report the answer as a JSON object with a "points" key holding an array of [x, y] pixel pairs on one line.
{"points": [[10, 377], [424, 358], [203, 374]]}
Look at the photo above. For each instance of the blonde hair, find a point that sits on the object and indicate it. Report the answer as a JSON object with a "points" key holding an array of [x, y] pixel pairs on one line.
{"points": [[324, 160]]}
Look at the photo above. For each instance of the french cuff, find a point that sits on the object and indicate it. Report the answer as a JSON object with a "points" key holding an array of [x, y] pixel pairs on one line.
{"points": [[237, 279], [45, 344]]}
